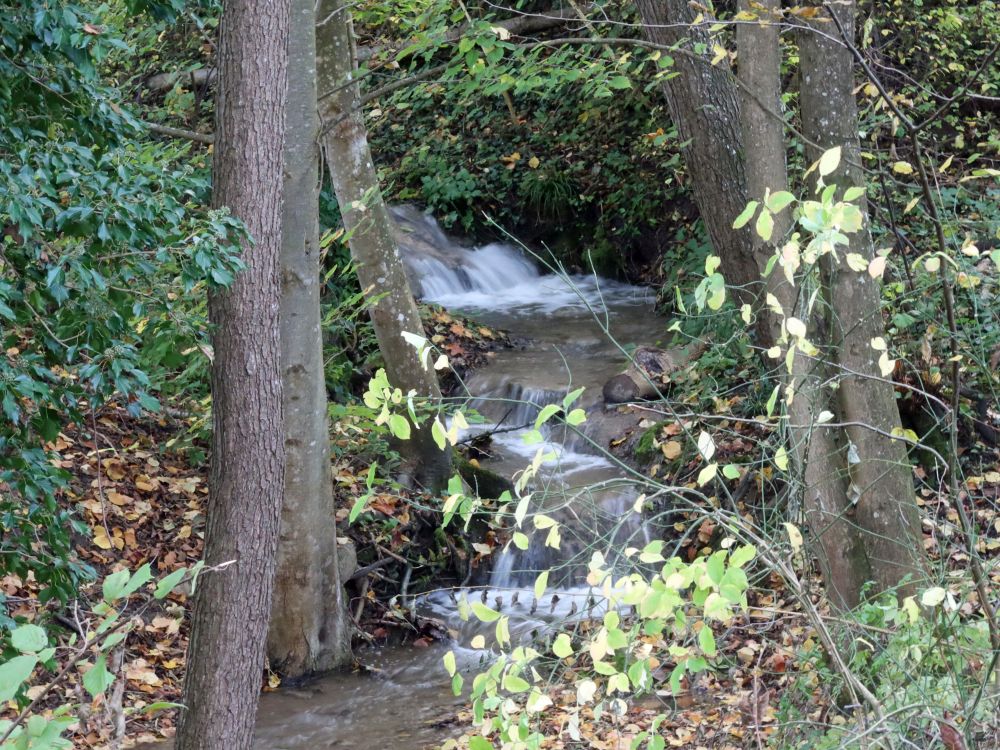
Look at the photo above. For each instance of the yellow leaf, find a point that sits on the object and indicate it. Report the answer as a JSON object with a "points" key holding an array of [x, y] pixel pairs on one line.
{"points": [[829, 161], [877, 267], [117, 498], [794, 536], [101, 538], [671, 449], [902, 167], [533, 162]]}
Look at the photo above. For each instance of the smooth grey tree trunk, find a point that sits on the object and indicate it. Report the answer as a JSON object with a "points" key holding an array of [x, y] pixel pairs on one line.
{"points": [[376, 256], [704, 108], [881, 482], [819, 457], [309, 629], [226, 652]]}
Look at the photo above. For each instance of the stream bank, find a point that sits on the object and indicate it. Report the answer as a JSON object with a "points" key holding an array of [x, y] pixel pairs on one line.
{"points": [[574, 332]]}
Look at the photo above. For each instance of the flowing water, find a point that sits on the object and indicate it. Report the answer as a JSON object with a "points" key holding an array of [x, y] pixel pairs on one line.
{"points": [[404, 696]]}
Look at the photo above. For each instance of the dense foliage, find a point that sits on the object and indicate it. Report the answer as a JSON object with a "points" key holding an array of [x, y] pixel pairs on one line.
{"points": [[104, 235]]}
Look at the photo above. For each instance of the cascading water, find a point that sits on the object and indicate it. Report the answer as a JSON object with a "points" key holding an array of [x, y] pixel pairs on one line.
{"points": [[566, 321]]}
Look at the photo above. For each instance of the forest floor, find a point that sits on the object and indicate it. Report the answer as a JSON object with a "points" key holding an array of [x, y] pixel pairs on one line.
{"points": [[141, 489]]}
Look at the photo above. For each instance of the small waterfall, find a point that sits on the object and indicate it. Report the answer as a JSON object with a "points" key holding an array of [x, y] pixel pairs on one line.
{"points": [[439, 267], [495, 277], [579, 487]]}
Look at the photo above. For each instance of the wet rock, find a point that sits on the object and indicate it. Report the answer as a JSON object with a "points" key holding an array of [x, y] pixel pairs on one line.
{"points": [[649, 372], [620, 389]]}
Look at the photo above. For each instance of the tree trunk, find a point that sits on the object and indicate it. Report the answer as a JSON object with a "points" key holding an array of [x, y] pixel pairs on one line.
{"points": [[704, 107], [226, 653], [309, 628], [881, 483], [380, 268], [817, 456]]}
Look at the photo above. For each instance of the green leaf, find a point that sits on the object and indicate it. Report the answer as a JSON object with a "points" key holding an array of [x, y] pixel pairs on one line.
{"points": [[576, 417], [167, 584], [747, 214], [741, 556], [772, 401], [98, 679], [480, 743], [484, 613], [114, 585], [765, 225], [706, 640], [731, 471], [541, 583], [139, 579], [515, 684], [29, 639], [853, 193], [13, 673], [571, 397], [562, 646], [399, 427], [546, 414], [449, 662], [778, 202], [438, 434], [356, 509], [707, 474], [620, 82]]}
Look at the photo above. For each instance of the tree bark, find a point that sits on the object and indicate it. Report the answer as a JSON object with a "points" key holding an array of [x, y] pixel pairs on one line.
{"points": [[309, 629], [704, 107], [881, 484], [376, 256], [226, 653], [818, 456]]}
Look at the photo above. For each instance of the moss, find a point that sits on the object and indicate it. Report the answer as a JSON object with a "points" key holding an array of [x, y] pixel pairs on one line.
{"points": [[645, 448], [486, 483]]}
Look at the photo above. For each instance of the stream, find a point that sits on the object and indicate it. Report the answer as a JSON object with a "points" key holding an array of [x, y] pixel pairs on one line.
{"points": [[405, 696]]}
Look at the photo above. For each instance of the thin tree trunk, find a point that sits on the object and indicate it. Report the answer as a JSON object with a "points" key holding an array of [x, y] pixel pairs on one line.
{"points": [[380, 268], [818, 458], [226, 653], [881, 483], [705, 109], [309, 628]]}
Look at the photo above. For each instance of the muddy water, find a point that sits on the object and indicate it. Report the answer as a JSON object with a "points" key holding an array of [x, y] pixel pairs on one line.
{"points": [[403, 699]]}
